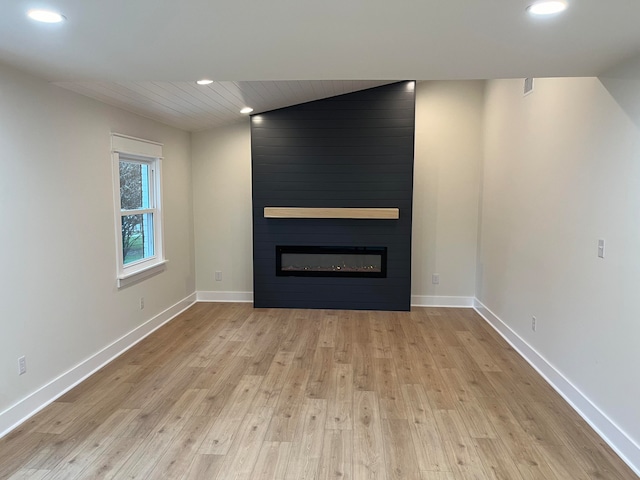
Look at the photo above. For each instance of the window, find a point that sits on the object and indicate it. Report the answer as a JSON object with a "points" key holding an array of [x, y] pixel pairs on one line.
{"points": [[138, 200]]}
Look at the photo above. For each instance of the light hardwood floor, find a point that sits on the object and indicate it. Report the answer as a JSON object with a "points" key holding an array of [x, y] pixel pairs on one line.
{"points": [[225, 391]]}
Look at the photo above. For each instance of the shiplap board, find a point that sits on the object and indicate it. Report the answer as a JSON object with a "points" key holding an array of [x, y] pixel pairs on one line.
{"points": [[342, 152], [194, 107]]}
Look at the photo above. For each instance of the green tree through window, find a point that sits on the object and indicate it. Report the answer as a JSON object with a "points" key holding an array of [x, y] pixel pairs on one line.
{"points": [[137, 183], [135, 204]]}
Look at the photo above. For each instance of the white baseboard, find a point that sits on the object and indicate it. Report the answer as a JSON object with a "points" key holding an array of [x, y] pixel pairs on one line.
{"points": [[29, 406], [241, 297], [436, 301], [618, 440], [416, 300]]}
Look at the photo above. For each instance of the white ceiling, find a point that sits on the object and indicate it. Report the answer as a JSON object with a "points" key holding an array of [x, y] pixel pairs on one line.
{"points": [[134, 52], [193, 107]]}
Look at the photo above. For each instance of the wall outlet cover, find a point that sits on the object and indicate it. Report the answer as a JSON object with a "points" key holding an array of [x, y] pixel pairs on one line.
{"points": [[22, 365]]}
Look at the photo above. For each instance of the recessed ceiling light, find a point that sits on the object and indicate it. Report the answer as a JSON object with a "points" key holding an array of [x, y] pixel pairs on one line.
{"points": [[547, 7], [204, 81], [45, 16], [246, 110]]}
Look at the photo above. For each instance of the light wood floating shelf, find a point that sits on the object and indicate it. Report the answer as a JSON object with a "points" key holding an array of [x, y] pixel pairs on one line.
{"points": [[301, 212]]}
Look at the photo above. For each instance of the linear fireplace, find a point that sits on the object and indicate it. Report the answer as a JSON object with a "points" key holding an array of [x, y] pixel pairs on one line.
{"points": [[322, 261]]}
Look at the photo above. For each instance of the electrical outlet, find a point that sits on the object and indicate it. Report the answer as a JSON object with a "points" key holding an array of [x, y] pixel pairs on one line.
{"points": [[534, 321], [22, 365], [435, 278], [601, 248], [141, 303], [218, 276]]}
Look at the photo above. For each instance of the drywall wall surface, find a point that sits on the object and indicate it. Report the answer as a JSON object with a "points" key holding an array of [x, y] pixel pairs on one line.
{"points": [[448, 149], [561, 171], [58, 296], [222, 208], [446, 186], [623, 83]]}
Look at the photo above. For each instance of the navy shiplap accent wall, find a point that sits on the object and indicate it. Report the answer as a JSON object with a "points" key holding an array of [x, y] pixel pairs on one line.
{"points": [[354, 150]]}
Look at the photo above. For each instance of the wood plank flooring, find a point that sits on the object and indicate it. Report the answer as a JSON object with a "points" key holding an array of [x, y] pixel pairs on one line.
{"points": [[226, 391]]}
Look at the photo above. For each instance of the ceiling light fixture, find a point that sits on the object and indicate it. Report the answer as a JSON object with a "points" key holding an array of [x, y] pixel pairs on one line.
{"points": [[45, 16], [204, 81], [246, 110], [547, 7]]}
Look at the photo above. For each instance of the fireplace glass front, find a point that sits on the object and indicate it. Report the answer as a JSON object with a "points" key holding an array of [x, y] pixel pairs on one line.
{"points": [[320, 261]]}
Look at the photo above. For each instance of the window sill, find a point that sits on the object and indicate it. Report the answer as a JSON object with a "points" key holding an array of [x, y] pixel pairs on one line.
{"points": [[145, 272]]}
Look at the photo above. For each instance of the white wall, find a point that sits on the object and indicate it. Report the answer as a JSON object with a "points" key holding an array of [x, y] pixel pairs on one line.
{"points": [[562, 170], [446, 185], [623, 83], [58, 298], [448, 153], [222, 208]]}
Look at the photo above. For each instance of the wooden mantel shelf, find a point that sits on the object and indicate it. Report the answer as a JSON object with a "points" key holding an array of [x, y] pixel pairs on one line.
{"points": [[301, 212]]}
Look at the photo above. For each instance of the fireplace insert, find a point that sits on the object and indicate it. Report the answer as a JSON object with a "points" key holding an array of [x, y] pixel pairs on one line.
{"points": [[321, 261]]}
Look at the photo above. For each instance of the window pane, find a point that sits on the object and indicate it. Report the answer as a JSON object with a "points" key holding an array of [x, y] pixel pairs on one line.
{"points": [[134, 185], [137, 237]]}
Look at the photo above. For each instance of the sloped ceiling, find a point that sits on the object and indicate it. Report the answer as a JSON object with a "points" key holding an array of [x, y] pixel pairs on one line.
{"points": [[194, 107]]}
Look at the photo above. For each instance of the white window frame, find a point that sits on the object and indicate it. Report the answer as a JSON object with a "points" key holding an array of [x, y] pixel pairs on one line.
{"points": [[137, 150]]}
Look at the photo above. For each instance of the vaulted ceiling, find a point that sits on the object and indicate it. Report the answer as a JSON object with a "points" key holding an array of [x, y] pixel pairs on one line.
{"points": [[194, 107], [145, 55]]}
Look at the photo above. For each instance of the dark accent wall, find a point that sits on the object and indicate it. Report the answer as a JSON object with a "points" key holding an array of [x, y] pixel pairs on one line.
{"points": [[354, 150]]}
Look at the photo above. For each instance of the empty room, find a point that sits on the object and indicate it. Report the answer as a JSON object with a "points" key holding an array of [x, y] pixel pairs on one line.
{"points": [[280, 240]]}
